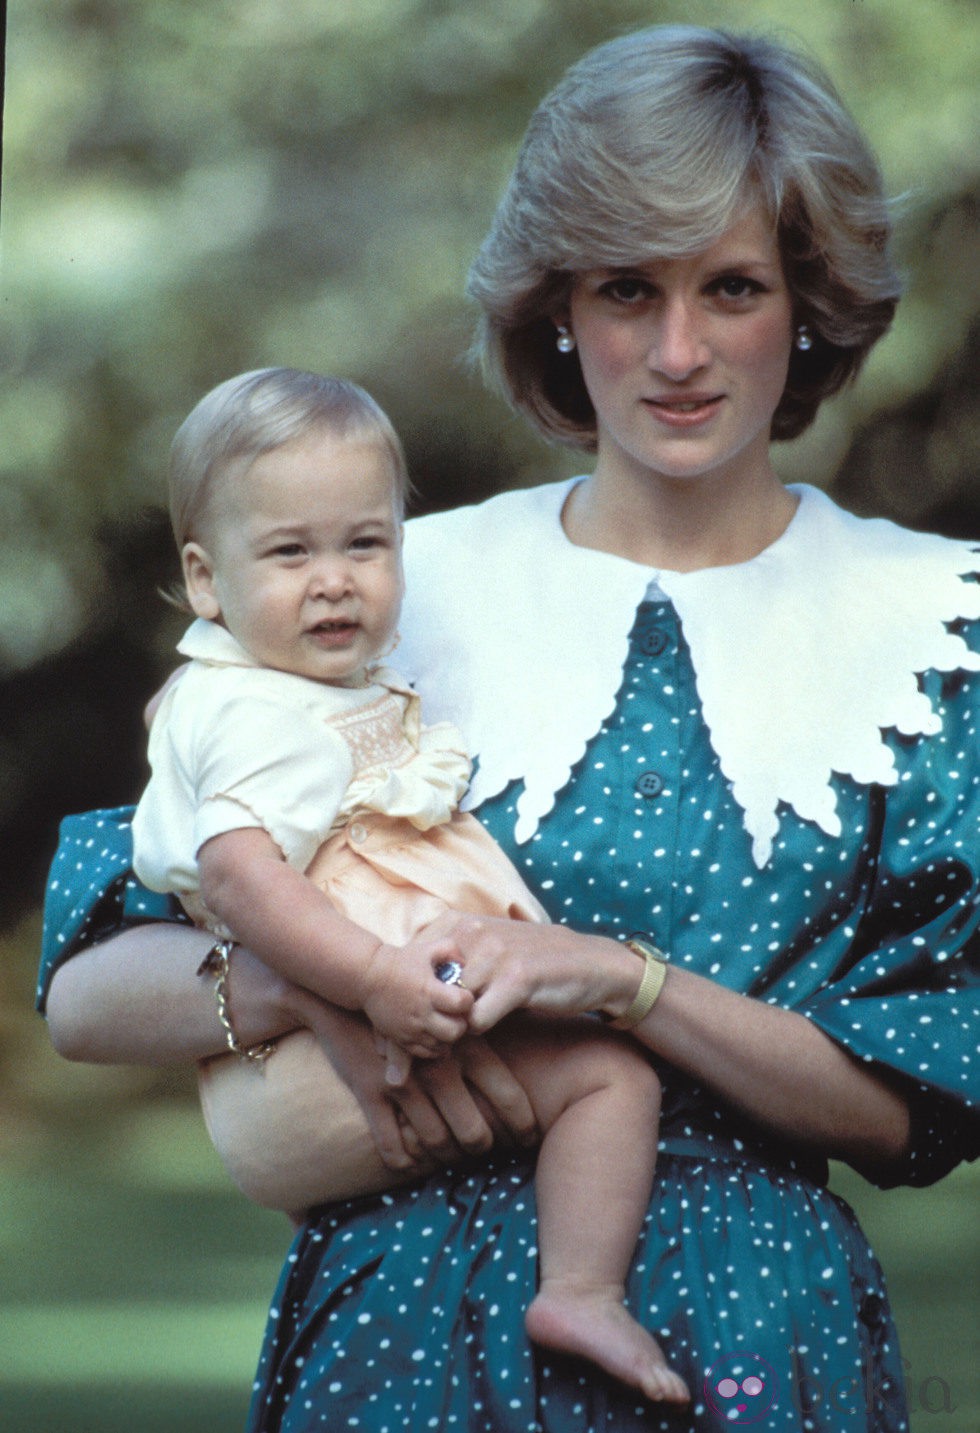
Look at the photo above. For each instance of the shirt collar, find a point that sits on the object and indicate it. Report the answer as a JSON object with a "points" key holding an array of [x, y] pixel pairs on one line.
{"points": [[206, 641], [209, 642]]}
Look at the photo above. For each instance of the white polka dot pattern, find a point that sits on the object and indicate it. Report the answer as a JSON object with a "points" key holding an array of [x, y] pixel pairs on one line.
{"points": [[405, 1312]]}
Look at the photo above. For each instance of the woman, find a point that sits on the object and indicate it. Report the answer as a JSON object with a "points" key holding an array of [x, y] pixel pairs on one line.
{"points": [[708, 711]]}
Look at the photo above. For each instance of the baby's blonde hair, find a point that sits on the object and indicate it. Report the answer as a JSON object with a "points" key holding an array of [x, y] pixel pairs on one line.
{"points": [[256, 413]]}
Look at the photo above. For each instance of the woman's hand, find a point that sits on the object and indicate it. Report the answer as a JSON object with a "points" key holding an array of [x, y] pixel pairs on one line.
{"points": [[294, 1133], [457, 1104], [519, 965]]}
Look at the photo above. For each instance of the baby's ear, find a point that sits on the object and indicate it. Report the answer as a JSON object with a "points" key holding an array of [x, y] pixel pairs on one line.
{"points": [[199, 581]]}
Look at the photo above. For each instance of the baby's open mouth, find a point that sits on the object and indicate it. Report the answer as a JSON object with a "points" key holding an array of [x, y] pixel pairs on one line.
{"points": [[332, 629]]}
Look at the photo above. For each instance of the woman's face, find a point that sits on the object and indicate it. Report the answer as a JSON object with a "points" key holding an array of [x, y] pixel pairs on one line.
{"points": [[685, 359]]}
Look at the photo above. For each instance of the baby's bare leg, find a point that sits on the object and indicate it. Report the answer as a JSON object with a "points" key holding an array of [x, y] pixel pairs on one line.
{"points": [[598, 1102]]}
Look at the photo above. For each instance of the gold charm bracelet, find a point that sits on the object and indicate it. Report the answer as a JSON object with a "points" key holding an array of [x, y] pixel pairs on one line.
{"points": [[216, 963]]}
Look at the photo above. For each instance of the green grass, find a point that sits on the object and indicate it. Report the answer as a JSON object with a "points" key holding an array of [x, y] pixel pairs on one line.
{"points": [[134, 1281]]}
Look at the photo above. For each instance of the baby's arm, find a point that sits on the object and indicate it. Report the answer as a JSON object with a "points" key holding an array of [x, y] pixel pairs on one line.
{"points": [[291, 925]]}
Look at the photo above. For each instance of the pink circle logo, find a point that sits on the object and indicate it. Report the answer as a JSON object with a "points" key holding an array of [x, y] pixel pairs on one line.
{"points": [[742, 1387]]}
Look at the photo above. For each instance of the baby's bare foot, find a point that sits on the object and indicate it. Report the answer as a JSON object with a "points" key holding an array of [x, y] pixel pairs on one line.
{"points": [[593, 1323]]}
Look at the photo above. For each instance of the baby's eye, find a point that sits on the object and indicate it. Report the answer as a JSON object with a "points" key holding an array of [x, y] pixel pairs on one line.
{"points": [[367, 542], [288, 550]]}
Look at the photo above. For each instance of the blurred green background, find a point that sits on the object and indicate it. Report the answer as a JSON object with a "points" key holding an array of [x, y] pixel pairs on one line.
{"points": [[190, 190]]}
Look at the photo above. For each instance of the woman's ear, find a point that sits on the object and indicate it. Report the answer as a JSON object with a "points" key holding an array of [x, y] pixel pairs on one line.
{"points": [[199, 581]]}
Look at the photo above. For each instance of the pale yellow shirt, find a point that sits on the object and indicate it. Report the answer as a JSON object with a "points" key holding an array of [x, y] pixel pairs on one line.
{"points": [[236, 745]]}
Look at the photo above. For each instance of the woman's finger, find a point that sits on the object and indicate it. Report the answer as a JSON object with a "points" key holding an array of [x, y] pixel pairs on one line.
{"points": [[396, 1144], [500, 998], [424, 1118], [446, 1087], [503, 1092]]}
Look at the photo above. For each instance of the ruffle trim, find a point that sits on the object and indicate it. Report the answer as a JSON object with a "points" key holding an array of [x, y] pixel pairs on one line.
{"points": [[425, 791]]}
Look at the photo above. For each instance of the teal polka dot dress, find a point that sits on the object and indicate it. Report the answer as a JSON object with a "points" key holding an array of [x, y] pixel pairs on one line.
{"points": [[405, 1311]]}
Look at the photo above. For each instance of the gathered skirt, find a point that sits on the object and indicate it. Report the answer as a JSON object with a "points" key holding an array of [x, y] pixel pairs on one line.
{"points": [[405, 1312]]}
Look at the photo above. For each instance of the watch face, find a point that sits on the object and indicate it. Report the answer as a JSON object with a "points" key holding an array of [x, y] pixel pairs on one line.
{"points": [[647, 950]]}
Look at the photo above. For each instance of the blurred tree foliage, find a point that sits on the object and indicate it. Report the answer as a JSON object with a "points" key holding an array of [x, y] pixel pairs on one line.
{"points": [[192, 190]]}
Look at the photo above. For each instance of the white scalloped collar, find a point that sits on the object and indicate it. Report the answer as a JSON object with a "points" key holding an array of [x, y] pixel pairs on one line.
{"points": [[802, 655]]}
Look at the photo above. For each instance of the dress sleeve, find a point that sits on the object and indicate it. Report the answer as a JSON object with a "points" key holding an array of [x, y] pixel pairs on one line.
{"points": [[909, 1002], [92, 892]]}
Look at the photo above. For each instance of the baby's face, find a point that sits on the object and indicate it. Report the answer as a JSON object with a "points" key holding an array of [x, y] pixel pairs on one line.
{"points": [[303, 557]]}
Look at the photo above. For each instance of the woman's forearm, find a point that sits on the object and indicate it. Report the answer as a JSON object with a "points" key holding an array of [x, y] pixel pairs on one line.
{"points": [[772, 1063], [136, 998], [303, 1127], [779, 1068]]}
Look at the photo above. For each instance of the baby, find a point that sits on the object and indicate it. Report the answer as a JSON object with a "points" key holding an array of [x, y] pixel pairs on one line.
{"points": [[298, 805]]}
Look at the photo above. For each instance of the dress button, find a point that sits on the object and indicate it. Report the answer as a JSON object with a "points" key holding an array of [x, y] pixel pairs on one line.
{"points": [[650, 785], [357, 832], [653, 641]]}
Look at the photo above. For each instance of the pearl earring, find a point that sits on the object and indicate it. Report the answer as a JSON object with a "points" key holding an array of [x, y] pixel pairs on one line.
{"points": [[804, 338], [564, 342]]}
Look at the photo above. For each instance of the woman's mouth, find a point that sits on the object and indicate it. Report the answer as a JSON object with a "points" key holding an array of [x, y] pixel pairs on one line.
{"points": [[685, 412]]}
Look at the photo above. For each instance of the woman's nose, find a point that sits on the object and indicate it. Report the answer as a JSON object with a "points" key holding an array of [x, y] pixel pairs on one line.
{"points": [[678, 348]]}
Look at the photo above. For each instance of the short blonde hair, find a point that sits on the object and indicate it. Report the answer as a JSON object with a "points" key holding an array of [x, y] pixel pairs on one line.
{"points": [[257, 412], [652, 146]]}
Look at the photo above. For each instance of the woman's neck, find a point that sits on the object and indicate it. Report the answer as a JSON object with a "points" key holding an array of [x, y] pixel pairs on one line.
{"points": [[679, 525]]}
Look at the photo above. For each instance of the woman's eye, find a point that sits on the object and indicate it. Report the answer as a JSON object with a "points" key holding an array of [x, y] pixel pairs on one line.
{"points": [[626, 289], [737, 286]]}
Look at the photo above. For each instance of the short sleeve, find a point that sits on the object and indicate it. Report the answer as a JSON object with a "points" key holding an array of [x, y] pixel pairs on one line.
{"points": [[91, 891], [233, 749], [910, 1001], [285, 769]]}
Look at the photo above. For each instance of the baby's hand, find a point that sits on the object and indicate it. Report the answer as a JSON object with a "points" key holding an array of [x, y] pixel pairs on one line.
{"points": [[408, 1004], [398, 1062]]}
